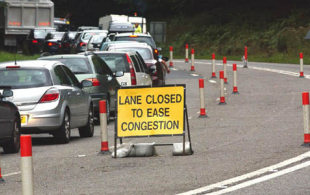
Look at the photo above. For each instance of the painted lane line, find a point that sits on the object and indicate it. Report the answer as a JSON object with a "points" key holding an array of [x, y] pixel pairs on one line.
{"points": [[11, 174], [195, 75], [249, 175], [212, 81], [263, 178]]}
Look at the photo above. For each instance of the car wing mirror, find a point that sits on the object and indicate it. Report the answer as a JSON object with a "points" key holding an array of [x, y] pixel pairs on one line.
{"points": [[86, 83], [152, 69], [7, 93]]}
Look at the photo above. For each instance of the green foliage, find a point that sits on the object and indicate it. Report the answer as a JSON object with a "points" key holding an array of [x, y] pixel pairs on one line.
{"points": [[5, 56]]}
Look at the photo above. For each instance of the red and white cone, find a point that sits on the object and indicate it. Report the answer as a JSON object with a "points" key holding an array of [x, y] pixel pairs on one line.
{"points": [[26, 164], [235, 88], [202, 98], [103, 127], [301, 59], [222, 97], [213, 66], [305, 106], [186, 53], [193, 60], [1, 179], [171, 56], [225, 69]]}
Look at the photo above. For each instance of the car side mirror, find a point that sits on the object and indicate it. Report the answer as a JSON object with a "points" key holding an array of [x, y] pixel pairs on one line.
{"points": [[119, 74], [152, 69], [7, 93], [86, 83]]}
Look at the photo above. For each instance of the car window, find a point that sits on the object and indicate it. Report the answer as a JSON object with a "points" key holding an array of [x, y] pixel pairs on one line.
{"points": [[116, 62], [143, 39], [144, 52], [71, 76], [61, 76], [141, 61], [39, 34], [25, 78], [136, 63], [76, 65], [100, 66]]}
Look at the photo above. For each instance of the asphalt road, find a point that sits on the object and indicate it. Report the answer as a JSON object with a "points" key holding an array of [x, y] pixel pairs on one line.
{"points": [[261, 126]]}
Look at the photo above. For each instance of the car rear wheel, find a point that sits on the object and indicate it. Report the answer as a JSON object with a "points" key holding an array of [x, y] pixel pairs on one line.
{"points": [[88, 129], [64, 132], [14, 144]]}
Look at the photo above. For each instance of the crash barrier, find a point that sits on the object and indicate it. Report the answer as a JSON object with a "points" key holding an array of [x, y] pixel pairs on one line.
{"points": [[1, 179], [171, 56], [151, 112], [202, 98], [193, 60], [213, 66], [222, 97], [26, 164], [305, 105], [301, 60], [245, 60], [235, 88], [186, 53], [103, 127], [225, 69]]}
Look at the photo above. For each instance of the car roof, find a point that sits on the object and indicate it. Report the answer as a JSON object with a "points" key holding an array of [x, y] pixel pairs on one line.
{"points": [[63, 56], [31, 64], [128, 34], [88, 31], [134, 45], [115, 52]]}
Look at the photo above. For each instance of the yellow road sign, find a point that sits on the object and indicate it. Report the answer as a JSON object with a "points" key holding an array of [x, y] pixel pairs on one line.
{"points": [[150, 111]]}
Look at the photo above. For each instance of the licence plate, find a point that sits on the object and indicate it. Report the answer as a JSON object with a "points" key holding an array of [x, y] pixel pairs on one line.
{"points": [[23, 119]]}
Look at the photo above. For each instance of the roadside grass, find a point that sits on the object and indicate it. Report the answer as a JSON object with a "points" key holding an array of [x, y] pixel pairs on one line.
{"points": [[6, 56]]}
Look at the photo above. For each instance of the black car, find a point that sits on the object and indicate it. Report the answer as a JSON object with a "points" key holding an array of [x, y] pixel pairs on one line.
{"points": [[35, 40], [9, 123], [53, 44]]}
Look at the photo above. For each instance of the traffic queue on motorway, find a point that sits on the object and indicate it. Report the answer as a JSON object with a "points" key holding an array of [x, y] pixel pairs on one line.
{"points": [[61, 90]]}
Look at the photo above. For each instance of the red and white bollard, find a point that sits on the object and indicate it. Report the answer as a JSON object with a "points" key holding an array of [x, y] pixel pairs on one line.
{"points": [[225, 69], [26, 164], [235, 88], [245, 62], [186, 53], [213, 66], [202, 98], [103, 127], [1, 179], [222, 97], [171, 56], [301, 59], [193, 60], [305, 106]]}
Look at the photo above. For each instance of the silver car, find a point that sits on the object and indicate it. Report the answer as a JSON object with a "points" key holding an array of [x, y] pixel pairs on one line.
{"points": [[49, 97]]}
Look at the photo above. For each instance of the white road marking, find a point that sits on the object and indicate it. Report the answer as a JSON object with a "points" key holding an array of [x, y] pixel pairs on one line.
{"points": [[195, 75], [249, 175], [212, 81], [173, 69], [10, 174], [262, 179]]}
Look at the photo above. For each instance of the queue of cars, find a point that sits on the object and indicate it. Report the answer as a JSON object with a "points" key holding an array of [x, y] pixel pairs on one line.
{"points": [[61, 91]]}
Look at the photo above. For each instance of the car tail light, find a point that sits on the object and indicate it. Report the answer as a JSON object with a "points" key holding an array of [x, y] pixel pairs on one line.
{"points": [[13, 67], [50, 95], [132, 72], [95, 81], [51, 44], [34, 41], [156, 51], [82, 44]]}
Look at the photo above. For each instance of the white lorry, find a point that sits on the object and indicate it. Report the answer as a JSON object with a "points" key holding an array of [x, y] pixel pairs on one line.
{"points": [[125, 22], [18, 17]]}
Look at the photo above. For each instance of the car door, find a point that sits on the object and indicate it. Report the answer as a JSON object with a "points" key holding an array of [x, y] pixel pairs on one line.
{"points": [[141, 76], [79, 97], [147, 76]]}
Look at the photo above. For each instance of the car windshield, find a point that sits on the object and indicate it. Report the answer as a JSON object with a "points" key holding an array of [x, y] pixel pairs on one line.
{"points": [[76, 65], [141, 39], [24, 78], [56, 35], [39, 34], [116, 62], [98, 38], [144, 52], [72, 35], [88, 35]]}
